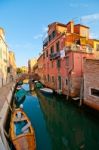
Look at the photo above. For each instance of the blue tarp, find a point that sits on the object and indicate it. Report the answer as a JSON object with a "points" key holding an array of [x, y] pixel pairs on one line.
{"points": [[20, 94]]}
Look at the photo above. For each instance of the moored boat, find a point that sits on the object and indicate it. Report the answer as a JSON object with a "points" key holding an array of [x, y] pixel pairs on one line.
{"points": [[46, 90], [20, 95], [18, 87], [25, 81], [21, 132]]}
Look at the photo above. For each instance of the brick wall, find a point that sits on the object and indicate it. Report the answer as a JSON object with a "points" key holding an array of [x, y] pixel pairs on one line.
{"points": [[91, 81]]}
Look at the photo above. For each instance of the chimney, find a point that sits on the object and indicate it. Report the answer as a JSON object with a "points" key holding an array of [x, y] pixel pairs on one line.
{"points": [[70, 26]]}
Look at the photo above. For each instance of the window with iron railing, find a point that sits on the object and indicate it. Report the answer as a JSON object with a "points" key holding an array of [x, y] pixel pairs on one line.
{"points": [[58, 61], [52, 49], [53, 34], [57, 46]]}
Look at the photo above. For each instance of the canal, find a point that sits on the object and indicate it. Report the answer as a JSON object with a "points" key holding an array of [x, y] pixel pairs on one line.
{"points": [[61, 124]]}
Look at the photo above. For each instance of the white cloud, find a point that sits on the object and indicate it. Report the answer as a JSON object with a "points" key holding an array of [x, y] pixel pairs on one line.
{"points": [[42, 35], [45, 29], [76, 5], [23, 46], [90, 18], [38, 36], [94, 35]]}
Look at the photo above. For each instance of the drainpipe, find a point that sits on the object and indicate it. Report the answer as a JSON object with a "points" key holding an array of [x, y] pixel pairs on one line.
{"points": [[69, 77], [82, 84]]}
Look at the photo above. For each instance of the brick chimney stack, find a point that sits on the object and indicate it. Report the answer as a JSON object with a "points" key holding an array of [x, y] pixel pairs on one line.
{"points": [[70, 26]]}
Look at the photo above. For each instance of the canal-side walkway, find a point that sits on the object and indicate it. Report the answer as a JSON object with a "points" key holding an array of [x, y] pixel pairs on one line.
{"points": [[6, 93]]}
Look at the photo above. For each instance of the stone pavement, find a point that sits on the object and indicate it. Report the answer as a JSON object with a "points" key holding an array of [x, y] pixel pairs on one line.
{"points": [[4, 91]]}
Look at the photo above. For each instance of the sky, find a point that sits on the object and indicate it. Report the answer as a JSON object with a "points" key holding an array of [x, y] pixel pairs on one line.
{"points": [[25, 22]]}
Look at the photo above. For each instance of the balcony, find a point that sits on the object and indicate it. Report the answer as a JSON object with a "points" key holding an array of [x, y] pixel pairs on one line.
{"points": [[79, 48], [45, 42], [54, 55]]}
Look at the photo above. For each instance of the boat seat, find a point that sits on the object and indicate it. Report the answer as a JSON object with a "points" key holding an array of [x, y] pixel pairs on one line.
{"points": [[19, 115], [19, 119], [25, 129]]}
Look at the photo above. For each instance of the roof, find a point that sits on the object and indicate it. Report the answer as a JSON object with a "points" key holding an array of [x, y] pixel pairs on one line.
{"points": [[2, 29], [92, 59], [95, 40], [82, 25], [57, 23]]}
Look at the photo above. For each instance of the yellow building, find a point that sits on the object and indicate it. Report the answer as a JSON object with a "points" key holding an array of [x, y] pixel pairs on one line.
{"points": [[31, 64], [94, 43], [12, 65], [4, 58], [24, 69]]}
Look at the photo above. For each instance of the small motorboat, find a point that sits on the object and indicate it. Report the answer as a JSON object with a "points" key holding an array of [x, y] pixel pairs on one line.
{"points": [[20, 94], [38, 85], [18, 87], [46, 90], [20, 82], [21, 131]]}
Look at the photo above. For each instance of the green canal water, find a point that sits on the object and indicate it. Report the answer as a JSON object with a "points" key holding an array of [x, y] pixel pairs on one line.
{"points": [[61, 124]]}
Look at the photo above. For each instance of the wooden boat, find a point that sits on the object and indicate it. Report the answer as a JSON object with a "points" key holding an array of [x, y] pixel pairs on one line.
{"points": [[25, 81], [21, 132], [46, 90]]}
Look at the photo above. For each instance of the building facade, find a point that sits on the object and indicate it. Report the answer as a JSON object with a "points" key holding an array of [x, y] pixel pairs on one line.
{"points": [[12, 65], [40, 69], [63, 52], [31, 64], [4, 58], [91, 83]]}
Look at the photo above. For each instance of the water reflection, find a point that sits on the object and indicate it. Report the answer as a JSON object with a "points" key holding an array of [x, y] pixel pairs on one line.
{"points": [[61, 125], [32, 109], [69, 127]]}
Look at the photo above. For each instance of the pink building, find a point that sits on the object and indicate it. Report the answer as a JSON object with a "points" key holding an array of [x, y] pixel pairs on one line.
{"points": [[63, 52]]}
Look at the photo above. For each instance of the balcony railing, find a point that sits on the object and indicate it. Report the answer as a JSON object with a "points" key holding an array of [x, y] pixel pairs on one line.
{"points": [[54, 55], [45, 42], [80, 48]]}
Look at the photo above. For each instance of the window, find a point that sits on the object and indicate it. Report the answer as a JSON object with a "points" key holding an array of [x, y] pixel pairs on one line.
{"points": [[52, 49], [48, 78], [46, 53], [52, 78], [52, 64], [67, 61], [43, 55], [95, 92], [45, 77], [57, 46], [53, 34], [97, 47], [58, 63], [49, 38], [66, 82]]}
